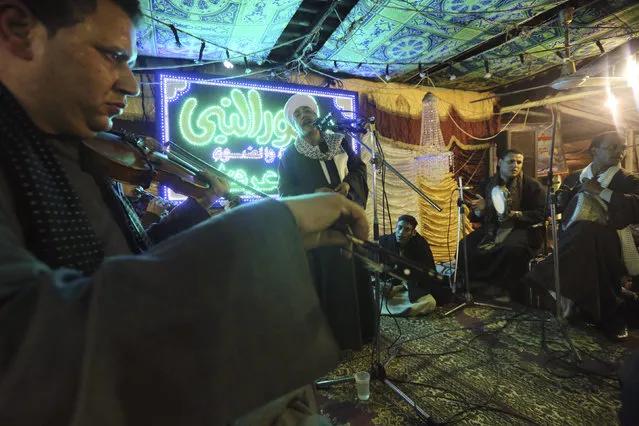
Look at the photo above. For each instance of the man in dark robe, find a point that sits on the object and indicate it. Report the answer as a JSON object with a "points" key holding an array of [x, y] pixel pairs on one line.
{"points": [[593, 257], [325, 162], [408, 243], [500, 250], [104, 323]]}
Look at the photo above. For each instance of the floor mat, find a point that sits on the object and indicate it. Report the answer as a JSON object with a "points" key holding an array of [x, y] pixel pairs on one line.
{"points": [[484, 367]]}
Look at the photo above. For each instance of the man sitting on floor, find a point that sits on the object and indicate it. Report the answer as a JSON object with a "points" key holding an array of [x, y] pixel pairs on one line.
{"points": [[408, 243], [500, 250], [593, 256]]}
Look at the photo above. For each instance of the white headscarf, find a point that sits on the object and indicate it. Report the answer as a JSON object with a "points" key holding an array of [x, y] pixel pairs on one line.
{"points": [[296, 101]]}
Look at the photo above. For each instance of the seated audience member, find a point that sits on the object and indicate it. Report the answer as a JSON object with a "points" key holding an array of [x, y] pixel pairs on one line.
{"points": [[500, 250], [195, 321], [408, 243], [594, 257]]}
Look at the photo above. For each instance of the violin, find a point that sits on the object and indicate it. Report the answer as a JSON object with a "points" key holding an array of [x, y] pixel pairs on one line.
{"points": [[125, 157]]}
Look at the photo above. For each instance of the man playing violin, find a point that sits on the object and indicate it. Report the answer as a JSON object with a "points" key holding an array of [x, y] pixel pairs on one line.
{"points": [[104, 323], [595, 253], [499, 251]]}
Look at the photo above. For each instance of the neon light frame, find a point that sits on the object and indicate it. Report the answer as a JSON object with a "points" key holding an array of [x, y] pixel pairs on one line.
{"points": [[165, 78]]}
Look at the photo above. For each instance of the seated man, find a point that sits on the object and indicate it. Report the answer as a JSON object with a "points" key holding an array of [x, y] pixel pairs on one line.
{"points": [[593, 257], [499, 251], [407, 242]]}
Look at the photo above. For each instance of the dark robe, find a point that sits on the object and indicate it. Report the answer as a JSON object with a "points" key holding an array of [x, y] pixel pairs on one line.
{"points": [[590, 260], [300, 174], [343, 284], [417, 250], [208, 324], [506, 262]]}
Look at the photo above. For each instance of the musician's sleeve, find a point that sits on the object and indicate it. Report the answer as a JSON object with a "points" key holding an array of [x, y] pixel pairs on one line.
{"points": [[537, 196], [176, 325], [623, 209], [287, 185], [356, 177], [186, 215]]}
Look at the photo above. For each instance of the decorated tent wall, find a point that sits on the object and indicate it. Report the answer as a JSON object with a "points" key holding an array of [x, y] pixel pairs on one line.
{"points": [[398, 112], [397, 109]]}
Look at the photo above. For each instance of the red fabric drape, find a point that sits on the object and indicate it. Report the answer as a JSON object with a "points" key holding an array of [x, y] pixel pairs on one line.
{"points": [[471, 164]]}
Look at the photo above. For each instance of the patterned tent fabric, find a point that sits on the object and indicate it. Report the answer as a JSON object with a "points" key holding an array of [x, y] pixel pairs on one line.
{"points": [[244, 27], [400, 33]]}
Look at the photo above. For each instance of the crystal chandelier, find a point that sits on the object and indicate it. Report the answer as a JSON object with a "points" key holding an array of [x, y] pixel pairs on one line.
{"points": [[435, 161]]}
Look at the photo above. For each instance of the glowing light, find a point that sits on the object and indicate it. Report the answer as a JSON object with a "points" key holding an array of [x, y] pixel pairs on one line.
{"points": [[632, 75], [611, 103], [232, 128], [227, 63], [632, 70], [241, 115]]}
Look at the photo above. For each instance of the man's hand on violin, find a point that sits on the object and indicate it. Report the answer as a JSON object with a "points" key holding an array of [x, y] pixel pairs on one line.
{"points": [[343, 188], [591, 186], [218, 187], [323, 219], [157, 206], [153, 145], [323, 189]]}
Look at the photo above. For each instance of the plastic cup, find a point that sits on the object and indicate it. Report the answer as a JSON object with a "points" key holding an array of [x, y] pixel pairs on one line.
{"points": [[363, 382]]}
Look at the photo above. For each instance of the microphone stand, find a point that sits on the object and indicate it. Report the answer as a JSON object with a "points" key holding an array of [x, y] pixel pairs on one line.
{"points": [[469, 301], [552, 201], [378, 369]]}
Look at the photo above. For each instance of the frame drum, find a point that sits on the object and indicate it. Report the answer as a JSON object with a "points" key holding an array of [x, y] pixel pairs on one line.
{"points": [[584, 206], [500, 197]]}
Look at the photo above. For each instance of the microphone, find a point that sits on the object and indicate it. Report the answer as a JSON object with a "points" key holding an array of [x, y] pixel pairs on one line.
{"points": [[322, 123], [336, 124]]}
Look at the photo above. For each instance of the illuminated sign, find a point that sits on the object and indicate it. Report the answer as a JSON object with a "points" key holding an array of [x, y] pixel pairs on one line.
{"points": [[238, 126]]}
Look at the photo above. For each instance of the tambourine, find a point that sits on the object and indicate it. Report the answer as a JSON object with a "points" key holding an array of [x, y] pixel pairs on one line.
{"points": [[500, 197]]}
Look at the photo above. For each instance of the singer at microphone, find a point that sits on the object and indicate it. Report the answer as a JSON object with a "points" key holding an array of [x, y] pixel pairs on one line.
{"points": [[323, 161]]}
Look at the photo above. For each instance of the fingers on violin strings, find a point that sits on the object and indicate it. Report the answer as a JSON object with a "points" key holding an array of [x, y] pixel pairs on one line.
{"points": [[353, 219]]}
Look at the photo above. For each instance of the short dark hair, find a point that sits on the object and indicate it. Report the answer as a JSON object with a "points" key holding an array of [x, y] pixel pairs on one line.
{"points": [[58, 14], [510, 151], [408, 218], [601, 137]]}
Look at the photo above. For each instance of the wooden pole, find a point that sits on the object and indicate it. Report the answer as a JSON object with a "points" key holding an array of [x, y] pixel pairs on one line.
{"points": [[552, 100]]}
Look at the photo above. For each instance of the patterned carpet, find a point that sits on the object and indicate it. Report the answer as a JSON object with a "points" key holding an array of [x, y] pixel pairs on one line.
{"points": [[485, 367]]}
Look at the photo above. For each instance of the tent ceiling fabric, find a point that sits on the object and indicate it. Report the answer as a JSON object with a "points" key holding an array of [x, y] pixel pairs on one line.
{"points": [[241, 26], [397, 33]]}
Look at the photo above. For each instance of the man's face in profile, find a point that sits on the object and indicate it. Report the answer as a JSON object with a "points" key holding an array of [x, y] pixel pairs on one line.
{"points": [[77, 80]]}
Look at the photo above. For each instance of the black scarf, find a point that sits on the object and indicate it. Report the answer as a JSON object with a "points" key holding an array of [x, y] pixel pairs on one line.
{"points": [[55, 225]]}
